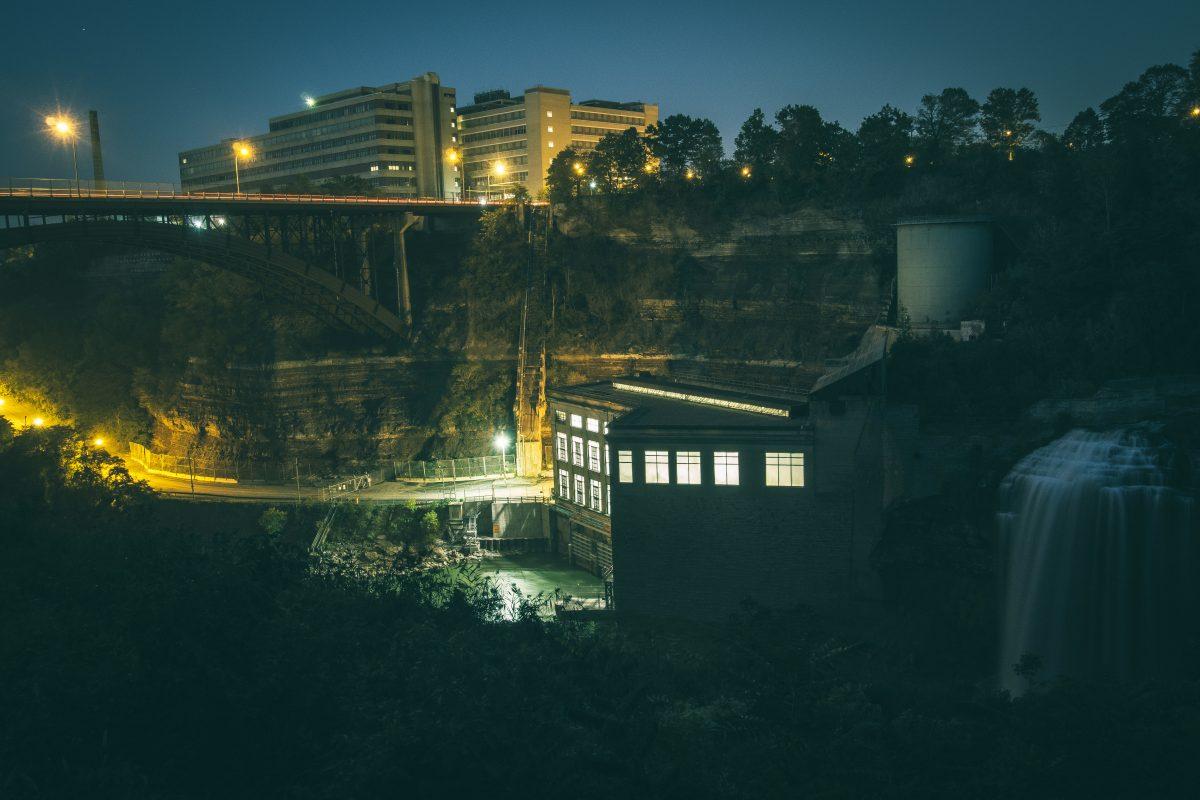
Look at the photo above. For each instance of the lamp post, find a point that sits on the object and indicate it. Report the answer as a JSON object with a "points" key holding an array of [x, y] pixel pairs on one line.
{"points": [[63, 127], [242, 150], [502, 442]]}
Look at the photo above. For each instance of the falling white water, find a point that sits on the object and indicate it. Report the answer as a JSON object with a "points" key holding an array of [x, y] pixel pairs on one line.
{"points": [[1100, 556]]}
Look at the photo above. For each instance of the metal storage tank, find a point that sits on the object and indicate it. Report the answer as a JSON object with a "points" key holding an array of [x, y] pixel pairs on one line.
{"points": [[942, 265]]}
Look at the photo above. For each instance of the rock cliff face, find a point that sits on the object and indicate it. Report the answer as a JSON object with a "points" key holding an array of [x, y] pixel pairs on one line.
{"points": [[764, 301]]}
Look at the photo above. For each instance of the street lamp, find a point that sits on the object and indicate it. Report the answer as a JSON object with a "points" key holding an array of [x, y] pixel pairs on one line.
{"points": [[909, 160], [240, 150], [746, 171], [98, 441], [63, 127], [502, 442], [38, 422]]}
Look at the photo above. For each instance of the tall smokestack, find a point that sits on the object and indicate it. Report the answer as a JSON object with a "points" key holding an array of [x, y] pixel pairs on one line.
{"points": [[97, 156]]}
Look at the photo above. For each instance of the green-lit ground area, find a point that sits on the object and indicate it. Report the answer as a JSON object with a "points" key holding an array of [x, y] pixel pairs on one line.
{"points": [[540, 573]]}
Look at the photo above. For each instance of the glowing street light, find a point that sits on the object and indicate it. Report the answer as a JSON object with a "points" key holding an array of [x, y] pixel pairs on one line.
{"points": [[310, 101], [502, 441], [746, 171], [240, 150], [38, 422], [451, 155], [909, 160], [63, 127], [98, 441], [1195, 112], [690, 174], [498, 169], [578, 167]]}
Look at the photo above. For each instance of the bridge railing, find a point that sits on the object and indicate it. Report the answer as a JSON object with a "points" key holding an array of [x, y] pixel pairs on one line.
{"points": [[90, 189]]}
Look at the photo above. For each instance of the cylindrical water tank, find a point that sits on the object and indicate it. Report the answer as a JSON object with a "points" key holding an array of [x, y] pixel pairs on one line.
{"points": [[942, 265]]}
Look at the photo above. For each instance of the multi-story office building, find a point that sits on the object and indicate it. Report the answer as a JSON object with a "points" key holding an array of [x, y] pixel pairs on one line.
{"points": [[510, 141], [401, 138], [696, 497]]}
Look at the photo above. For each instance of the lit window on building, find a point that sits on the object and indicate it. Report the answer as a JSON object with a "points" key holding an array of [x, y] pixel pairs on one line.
{"points": [[577, 451], [549, 129], [725, 469], [549, 113], [607, 460], [393, 166], [785, 469], [576, 421], [596, 502], [374, 168], [561, 416], [608, 506], [658, 466], [625, 466], [564, 484], [687, 466], [560, 444], [550, 145], [593, 425], [594, 456], [579, 491]]}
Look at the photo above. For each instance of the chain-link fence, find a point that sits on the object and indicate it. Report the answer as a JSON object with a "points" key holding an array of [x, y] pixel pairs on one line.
{"points": [[452, 469]]}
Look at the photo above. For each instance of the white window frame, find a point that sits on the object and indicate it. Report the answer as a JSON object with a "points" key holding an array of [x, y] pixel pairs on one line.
{"points": [[785, 469], [596, 498], [564, 484], [607, 461], [577, 451], [608, 498], [687, 467], [593, 452], [726, 468], [625, 466], [580, 491], [576, 421], [593, 425], [560, 444], [658, 466]]}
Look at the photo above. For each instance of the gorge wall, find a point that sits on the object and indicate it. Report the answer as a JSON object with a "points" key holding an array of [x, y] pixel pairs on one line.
{"points": [[759, 300]]}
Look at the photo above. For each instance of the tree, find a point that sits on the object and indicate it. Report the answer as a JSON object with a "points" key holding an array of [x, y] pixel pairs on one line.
{"points": [[1086, 131], [755, 144], [618, 164], [885, 146], [1147, 110], [272, 521], [810, 149], [682, 144], [945, 122], [566, 175], [1008, 117]]}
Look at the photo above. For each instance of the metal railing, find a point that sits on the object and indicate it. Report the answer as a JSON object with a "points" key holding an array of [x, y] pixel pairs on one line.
{"points": [[453, 469], [182, 467], [89, 189]]}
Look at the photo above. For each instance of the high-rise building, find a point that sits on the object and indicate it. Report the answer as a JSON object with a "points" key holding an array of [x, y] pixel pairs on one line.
{"points": [[401, 138], [510, 141]]}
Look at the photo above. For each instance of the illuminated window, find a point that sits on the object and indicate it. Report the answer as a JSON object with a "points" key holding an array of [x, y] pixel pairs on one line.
{"points": [[597, 498], [576, 421], [393, 166], [564, 484], [785, 469], [725, 469], [593, 425], [579, 490], [374, 168], [550, 145], [549, 113], [607, 460], [451, 109], [608, 507], [658, 466], [687, 466], [549, 129], [453, 125], [577, 451], [561, 416], [625, 466], [594, 456], [560, 444]]}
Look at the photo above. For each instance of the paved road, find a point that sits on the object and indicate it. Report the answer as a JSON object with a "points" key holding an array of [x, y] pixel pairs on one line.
{"points": [[22, 414]]}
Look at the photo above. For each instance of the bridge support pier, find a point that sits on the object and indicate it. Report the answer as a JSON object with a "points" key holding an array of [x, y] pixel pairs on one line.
{"points": [[400, 263]]}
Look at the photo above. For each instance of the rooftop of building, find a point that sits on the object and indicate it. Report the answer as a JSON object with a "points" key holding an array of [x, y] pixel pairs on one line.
{"points": [[660, 402], [500, 98]]}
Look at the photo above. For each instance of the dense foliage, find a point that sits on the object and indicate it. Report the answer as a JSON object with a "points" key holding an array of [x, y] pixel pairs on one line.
{"points": [[142, 655]]}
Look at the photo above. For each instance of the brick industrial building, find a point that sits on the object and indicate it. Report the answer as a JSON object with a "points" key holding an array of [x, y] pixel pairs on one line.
{"points": [[706, 495]]}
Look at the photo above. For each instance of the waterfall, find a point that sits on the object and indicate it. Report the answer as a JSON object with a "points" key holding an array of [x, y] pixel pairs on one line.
{"points": [[1100, 560]]}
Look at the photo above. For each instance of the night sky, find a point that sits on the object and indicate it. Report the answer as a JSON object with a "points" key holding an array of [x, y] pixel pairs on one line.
{"points": [[167, 76]]}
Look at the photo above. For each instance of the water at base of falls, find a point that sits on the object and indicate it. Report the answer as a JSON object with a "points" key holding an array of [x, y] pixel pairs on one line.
{"points": [[1100, 575]]}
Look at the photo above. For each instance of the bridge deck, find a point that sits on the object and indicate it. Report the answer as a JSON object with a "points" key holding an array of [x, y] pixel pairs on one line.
{"points": [[69, 199]]}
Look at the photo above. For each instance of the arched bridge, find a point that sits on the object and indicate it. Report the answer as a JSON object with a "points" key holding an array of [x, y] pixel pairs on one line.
{"points": [[325, 254]]}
